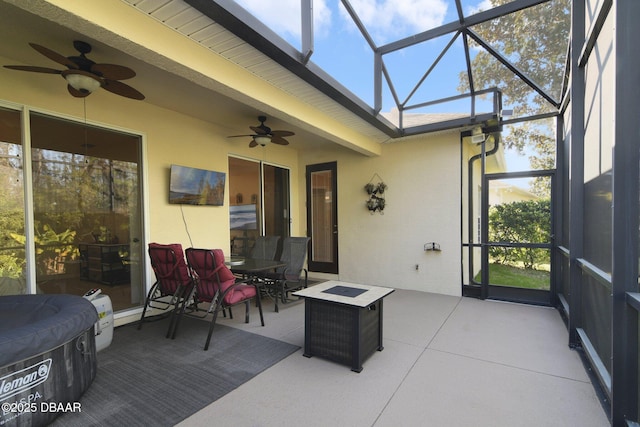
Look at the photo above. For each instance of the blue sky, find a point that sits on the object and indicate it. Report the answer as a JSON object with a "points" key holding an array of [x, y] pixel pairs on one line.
{"points": [[342, 52]]}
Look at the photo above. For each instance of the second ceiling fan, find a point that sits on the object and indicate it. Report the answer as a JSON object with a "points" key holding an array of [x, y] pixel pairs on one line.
{"points": [[263, 134]]}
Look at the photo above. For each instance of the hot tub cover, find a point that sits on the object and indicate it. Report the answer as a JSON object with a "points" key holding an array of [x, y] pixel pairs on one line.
{"points": [[34, 324]]}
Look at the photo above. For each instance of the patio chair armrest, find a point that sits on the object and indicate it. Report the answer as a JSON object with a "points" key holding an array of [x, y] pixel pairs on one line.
{"points": [[283, 276]]}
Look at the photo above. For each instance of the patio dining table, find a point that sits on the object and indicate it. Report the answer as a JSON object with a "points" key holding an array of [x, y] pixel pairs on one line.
{"points": [[252, 267]]}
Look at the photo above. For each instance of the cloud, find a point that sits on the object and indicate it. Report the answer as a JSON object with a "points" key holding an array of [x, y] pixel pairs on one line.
{"points": [[483, 5], [385, 20], [389, 19], [283, 16]]}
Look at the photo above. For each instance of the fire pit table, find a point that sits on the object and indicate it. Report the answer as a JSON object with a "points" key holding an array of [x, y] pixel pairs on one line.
{"points": [[343, 321]]}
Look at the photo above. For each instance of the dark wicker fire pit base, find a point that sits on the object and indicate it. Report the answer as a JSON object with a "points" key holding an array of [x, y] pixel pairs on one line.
{"points": [[342, 328]]}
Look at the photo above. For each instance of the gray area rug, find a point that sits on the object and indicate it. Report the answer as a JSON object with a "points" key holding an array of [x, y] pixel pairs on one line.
{"points": [[146, 379]]}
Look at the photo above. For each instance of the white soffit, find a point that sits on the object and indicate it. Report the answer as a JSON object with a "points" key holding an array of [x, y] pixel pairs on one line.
{"points": [[186, 20]]}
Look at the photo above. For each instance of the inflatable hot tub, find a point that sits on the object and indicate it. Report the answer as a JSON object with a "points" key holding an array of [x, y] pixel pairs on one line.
{"points": [[47, 356]]}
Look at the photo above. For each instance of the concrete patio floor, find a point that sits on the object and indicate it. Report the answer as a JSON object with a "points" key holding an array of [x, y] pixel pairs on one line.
{"points": [[447, 361]]}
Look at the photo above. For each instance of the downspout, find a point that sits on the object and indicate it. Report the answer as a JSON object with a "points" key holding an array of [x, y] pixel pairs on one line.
{"points": [[496, 145]]}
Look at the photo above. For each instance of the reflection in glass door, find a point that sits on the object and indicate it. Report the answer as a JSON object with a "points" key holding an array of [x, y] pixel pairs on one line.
{"points": [[12, 243], [261, 192], [322, 214], [276, 201], [245, 202], [86, 210]]}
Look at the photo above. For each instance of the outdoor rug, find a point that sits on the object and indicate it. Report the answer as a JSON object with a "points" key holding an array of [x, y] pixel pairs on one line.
{"points": [[146, 379]]}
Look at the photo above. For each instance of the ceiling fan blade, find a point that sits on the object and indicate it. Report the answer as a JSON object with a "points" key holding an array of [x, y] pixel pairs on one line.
{"points": [[279, 140], [122, 89], [33, 69], [253, 143], [236, 136], [259, 130], [77, 93], [113, 71], [282, 133], [54, 56]]}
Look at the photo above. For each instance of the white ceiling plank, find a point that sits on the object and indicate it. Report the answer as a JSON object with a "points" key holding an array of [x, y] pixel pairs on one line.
{"points": [[169, 10]]}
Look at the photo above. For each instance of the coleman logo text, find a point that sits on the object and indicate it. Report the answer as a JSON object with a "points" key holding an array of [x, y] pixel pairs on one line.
{"points": [[24, 379]]}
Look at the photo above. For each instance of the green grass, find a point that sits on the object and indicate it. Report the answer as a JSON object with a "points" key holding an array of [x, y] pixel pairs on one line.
{"points": [[505, 275]]}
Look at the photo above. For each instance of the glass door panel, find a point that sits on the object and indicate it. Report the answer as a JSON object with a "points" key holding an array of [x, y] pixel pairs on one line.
{"points": [[276, 201], [244, 204], [322, 217], [86, 198], [12, 241], [259, 203]]}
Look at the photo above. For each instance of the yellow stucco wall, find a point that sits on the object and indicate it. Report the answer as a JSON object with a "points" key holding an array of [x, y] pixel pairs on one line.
{"points": [[423, 199], [169, 138], [422, 205]]}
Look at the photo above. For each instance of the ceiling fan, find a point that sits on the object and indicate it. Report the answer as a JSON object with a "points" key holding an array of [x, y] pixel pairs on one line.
{"points": [[84, 76], [263, 134]]}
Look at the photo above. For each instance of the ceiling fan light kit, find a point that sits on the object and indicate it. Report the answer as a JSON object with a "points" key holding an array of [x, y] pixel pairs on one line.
{"points": [[264, 135], [262, 139], [84, 82]]}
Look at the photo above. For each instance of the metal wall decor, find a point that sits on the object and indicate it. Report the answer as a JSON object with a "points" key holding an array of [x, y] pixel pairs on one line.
{"points": [[376, 201]]}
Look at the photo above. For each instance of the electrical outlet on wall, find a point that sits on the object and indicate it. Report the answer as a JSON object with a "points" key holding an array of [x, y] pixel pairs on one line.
{"points": [[432, 246]]}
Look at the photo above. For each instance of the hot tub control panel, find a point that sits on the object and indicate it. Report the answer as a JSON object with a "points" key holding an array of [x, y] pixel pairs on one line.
{"points": [[92, 294]]}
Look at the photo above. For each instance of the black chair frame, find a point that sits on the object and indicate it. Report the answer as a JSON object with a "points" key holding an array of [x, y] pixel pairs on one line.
{"points": [[294, 276], [170, 289], [210, 273]]}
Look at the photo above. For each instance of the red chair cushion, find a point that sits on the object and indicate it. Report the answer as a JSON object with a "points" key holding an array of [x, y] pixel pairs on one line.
{"points": [[208, 281], [240, 292], [172, 275]]}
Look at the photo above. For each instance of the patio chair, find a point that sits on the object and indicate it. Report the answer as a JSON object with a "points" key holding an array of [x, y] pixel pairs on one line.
{"points": [[290, 278], [265, 247], [216, 284], [173, 283]]}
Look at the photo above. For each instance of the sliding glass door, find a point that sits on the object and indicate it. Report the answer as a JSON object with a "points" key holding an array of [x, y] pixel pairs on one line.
{"points": [[276, 201], [86, 194], [259, 203], [84, 221]]}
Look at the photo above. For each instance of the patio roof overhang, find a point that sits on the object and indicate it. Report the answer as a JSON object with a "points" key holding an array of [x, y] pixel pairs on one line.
{"points": [[219, 47]]}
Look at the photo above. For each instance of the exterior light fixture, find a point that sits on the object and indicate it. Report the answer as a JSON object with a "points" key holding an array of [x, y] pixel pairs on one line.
{"points": [[477, 136], [478, 139]]}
